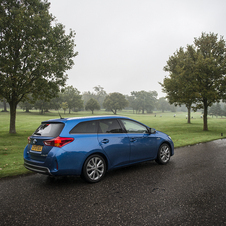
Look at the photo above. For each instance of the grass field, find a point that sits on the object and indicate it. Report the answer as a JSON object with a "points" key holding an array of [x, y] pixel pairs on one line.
{"points": [[182, 134]]}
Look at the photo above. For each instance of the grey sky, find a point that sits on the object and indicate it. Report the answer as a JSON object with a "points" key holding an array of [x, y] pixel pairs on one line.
{"points": [[123, 45]]}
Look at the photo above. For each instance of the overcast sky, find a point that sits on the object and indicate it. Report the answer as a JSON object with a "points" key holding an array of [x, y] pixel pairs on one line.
{"points": [[123, 45]]}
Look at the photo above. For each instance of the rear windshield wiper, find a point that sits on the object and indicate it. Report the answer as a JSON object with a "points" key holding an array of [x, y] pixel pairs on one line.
{"points": [[39, 134]]}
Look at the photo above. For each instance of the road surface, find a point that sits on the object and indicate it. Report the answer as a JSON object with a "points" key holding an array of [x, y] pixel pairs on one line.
{"points": [[190, 190]]}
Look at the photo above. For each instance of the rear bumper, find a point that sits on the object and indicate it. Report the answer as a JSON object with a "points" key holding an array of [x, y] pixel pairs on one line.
{"points": [[38, 169]]}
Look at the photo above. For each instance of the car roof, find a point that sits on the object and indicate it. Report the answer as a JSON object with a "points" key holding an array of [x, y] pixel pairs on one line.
{"points": [[87, 118]]}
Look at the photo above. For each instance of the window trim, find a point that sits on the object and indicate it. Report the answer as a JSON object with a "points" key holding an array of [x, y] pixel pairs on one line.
{"points": [[119, 120]]}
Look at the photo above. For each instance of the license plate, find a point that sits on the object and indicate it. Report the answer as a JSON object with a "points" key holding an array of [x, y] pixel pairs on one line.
{"points": [[36, 148]]}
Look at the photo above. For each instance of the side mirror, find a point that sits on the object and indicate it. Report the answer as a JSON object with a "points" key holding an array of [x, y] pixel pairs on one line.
{"points": [[151, 130]]}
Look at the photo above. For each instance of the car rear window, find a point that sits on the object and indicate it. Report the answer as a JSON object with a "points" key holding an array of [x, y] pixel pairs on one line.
{"points": [[49, 129]]}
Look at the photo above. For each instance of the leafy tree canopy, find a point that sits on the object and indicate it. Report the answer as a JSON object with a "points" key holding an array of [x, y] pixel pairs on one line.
{"points": [[180, 86], [73, 98], [216, 110], [92, 105], [34, 53], [115, 102], [163, 104], [64, 105], [144, 100], [99, 94]]}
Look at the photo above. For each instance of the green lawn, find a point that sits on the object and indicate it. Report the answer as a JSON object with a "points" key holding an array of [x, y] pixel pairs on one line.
{"points": [[12, 145]]}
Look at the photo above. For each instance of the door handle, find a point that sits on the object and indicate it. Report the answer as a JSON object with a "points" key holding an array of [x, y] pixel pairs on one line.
{"points": [[132, 139], [105, 141]]}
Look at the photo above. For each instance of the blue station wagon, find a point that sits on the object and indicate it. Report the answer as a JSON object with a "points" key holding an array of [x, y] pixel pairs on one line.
{"points": [[91, 146]]}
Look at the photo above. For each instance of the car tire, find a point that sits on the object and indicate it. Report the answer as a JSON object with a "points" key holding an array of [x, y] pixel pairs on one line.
{"points": [[94, 168], [163, 156]]}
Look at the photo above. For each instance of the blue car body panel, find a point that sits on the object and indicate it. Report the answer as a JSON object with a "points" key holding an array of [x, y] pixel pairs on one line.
{"points": [[118, 149]]}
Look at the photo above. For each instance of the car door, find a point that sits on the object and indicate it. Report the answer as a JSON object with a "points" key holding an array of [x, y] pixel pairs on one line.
{"points": [[143, 144], [114, 142]]}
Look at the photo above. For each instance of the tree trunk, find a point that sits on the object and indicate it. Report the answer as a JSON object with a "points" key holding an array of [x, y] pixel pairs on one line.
{"points": [[189, 113], [4, 105], [12, 127], [205, 125], [114, 111]]}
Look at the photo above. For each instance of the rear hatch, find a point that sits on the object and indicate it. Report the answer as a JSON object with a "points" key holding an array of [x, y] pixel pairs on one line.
{"points": [[45, 132]]}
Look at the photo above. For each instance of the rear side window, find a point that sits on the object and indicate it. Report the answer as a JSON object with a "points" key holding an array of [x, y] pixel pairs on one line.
{"points": [[110, 126], [85, 127], [49, 129]]}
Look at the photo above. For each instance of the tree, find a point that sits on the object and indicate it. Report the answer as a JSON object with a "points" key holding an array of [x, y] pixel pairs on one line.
{"points": [[72, 96], [200, 71], [99, 94], [34, 53], [224, 111], [133, 103], [180, 85], [56, 102], [130, 100], [64, 105], [162, 104], [144, 100], [216, 110], [42, 105], [210, 57], [86, 96], [115, 102], [4, 105], [27, 104], [92, 105]]}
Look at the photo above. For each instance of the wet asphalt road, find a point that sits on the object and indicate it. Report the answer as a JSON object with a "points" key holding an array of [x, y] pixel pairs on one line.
{"points": [[190, 190]]}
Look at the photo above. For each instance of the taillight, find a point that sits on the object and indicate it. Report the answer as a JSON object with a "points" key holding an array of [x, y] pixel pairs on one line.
{"points": [[28, 140], [58, 141]]}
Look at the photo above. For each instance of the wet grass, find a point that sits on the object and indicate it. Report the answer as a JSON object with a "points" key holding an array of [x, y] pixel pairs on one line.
{"points": [[182, 133]]}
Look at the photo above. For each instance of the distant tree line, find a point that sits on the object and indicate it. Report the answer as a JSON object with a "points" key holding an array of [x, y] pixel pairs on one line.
{"points": [[71, 100], [218, 109]]}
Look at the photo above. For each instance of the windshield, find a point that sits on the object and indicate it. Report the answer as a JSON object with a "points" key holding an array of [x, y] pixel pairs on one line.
{"points": [[49, 129]]}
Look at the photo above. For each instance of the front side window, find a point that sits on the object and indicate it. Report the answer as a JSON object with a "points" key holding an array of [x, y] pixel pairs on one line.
{"points": [[85, 127], [133, 127], [110, 126], [49, 129]]}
